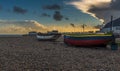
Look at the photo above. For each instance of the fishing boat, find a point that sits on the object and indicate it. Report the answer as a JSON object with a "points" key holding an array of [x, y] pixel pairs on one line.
{"points": [[88, 40], [48, 36]]}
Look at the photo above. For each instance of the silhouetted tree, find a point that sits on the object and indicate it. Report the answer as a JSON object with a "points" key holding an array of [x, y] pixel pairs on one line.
{"points": [[73, 25], [83, 26]]}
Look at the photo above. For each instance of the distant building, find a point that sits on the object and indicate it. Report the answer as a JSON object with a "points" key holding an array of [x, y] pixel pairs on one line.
{"points": [[53, 32], [115, 26], [32, 33]]}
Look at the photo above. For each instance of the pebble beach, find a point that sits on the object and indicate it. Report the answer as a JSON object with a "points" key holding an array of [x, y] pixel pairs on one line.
{"points": [[26, 53]]}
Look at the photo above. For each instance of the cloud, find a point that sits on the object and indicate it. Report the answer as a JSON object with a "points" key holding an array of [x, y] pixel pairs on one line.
{"points": [[45, 15], [66, 18], [115, 4], [52, 7], [98, 26], [57, 16], [19, 10], [69, 28], [73, 25], [21, 26], [100, 9]]}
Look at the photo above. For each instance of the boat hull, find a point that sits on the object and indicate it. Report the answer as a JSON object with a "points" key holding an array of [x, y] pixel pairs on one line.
{"points": [[48, 37], [87, 41]]}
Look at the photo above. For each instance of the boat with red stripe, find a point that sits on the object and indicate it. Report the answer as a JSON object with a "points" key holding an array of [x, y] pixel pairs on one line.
{"points": [[88, 40]]}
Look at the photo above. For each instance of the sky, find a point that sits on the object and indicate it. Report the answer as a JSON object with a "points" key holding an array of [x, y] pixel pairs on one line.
{"points": [[22, 16]]}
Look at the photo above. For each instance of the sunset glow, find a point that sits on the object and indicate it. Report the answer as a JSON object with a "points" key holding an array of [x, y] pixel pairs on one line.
{"points": [[21, 16]]}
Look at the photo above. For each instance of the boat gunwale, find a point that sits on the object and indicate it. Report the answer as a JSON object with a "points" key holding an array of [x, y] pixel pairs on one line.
{"points": [[89, 35]]}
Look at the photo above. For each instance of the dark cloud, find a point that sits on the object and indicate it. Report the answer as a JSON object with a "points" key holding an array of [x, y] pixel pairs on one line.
{"points": [[106, 12], [66, 18], [19, 10], [73, 25], [101, 10], [52, 7], [45, 15], [115, 4], [101, 13], [95, 8], [98, 26], [57, 16]]}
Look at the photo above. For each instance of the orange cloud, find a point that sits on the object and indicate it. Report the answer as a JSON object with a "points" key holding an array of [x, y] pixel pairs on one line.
{"points": [[68, 28], [21, 27]]}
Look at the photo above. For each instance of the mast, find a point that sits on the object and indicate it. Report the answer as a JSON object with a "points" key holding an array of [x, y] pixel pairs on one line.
{"points": [[111, 24]]}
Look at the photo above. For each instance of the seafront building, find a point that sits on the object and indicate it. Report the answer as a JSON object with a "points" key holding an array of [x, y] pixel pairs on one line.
{"points": [[114, 27]]}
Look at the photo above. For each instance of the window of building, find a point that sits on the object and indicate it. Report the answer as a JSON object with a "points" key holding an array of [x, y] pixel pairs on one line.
{"points": [[118, 28]]}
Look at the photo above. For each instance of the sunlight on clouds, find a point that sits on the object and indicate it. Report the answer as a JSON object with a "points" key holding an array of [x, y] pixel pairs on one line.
{"points": [[68, 28], [21, 27], [86, 5]]}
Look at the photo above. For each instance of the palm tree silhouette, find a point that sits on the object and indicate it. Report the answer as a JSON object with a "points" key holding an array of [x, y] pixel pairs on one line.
{"points": [[83, 27], [73, 26]]}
